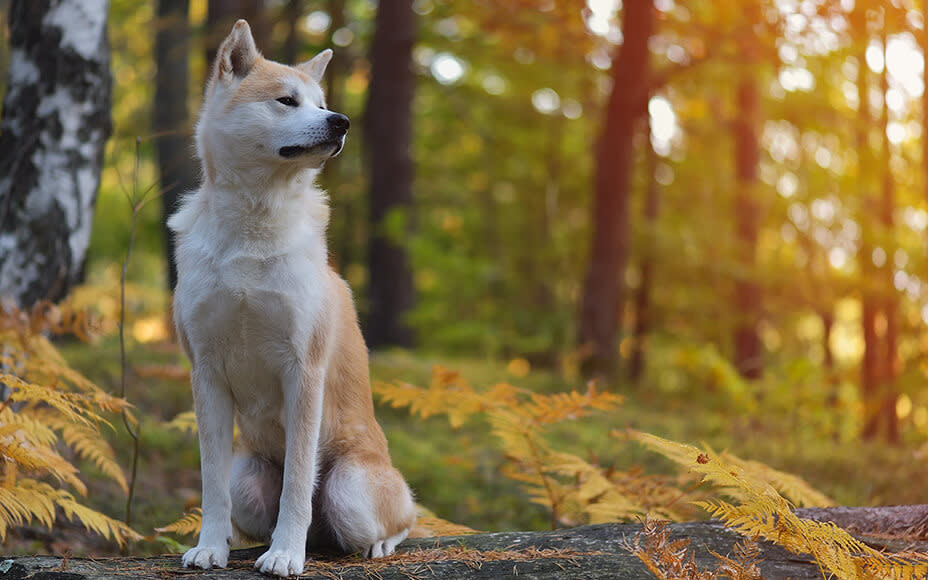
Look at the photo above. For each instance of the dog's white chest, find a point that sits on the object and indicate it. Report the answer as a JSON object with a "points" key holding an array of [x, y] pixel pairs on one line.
{"points": [[254, 319]]}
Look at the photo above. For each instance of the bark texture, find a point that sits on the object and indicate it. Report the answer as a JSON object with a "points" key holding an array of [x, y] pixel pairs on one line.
{"points": [[56, 119], [388, 137], [604, 286], [748, 292], [589, 552], [171, 116]]}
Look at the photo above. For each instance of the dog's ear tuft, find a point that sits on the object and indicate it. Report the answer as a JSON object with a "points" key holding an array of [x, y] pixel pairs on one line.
{"points": [[238, 53], [315, 67]]}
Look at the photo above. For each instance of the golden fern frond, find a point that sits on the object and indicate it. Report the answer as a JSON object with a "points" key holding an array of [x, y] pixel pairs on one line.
{"points": [[40, 459], [189, 524], [428, 525], [558, 407], [764, 512], [796, 489], [76, 407], [35, 430], [598, 497], [94, 520], [88, 444], [22, 503], [185, 422]]}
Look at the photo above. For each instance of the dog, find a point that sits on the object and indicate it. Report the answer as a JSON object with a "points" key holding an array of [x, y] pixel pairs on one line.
{"points": [[271, 330]]}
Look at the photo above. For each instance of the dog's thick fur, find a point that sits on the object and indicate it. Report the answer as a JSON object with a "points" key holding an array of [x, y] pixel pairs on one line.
{"points": [[271, 331]]}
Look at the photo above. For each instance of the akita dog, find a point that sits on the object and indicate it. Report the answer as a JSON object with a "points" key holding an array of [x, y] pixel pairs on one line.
{"points": [[271, 330]]}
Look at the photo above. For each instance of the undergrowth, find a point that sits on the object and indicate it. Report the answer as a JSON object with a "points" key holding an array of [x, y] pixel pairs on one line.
{"points": [[46, 405]]}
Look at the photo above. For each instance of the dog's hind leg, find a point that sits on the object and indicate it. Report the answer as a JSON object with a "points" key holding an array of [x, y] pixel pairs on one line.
{"points": [[368, 506], [256, 486]]}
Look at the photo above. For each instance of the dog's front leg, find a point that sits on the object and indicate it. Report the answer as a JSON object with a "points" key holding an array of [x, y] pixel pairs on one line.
{"points": [[303, 416], [212, 402]]}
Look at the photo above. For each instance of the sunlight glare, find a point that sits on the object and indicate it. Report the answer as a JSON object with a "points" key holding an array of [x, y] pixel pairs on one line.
{"points": [[875, 57], [446, 68], [663, 124], [601, 15], [318, 22], [905, 63], [546, 101]]}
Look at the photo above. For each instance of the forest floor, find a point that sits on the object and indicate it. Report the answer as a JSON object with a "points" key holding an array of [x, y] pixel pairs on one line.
{"points": [[457, 472]]}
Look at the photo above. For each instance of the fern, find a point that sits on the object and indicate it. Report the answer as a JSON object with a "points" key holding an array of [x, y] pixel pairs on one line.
{"points": [[763, 512], [188, 524], [47, 404]]}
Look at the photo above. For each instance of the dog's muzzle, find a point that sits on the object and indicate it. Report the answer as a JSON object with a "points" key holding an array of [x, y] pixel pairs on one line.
{"points": [[338, 125]]}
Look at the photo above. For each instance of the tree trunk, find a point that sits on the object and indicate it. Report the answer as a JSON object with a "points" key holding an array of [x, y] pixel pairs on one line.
{"points": [[292, 15], [171, 117], [869, 366], [56, 119], [748, 293], [890, 299], [643, 296], [388, 137], [604, 286]]}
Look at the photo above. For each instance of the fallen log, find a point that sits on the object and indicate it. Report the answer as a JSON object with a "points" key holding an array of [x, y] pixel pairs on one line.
{"points": [[592, 552]]}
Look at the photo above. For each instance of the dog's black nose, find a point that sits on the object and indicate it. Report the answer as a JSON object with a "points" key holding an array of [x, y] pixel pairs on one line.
{"points": [[339, 122]]}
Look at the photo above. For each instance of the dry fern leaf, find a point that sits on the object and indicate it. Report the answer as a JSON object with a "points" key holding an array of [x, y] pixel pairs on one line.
{"points": [[185, 422], [189, 524], [428, 525], [763, 512]]}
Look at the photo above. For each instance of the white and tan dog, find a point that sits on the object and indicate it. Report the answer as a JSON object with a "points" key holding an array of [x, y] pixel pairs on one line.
{"points": [[271, 331]]}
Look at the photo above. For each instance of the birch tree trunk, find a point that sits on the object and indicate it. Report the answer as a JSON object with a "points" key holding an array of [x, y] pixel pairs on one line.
{"points": [[55, 122]]}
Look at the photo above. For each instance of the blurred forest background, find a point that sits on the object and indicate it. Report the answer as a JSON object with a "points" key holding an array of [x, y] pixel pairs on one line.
{"points": [[718, 209]]}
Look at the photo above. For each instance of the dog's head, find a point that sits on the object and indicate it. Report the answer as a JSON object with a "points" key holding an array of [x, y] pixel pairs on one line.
{"points": [[266, 116]]}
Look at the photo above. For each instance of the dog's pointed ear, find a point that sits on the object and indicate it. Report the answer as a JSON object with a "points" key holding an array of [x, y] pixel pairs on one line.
{"points": [[315, 67], [237, 54]]}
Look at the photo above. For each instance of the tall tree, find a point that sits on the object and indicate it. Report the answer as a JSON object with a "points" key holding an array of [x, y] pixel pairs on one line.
{"points": [[388, 137], [869, 366], [890, 356], [748, 293], [604, 286], [643, 310], [56, 119], [171, 116]]}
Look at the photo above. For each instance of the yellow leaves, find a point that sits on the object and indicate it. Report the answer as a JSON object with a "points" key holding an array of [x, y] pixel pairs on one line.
{"points": [[575, 490], [428, 525], [48, 403], [736, 471], [185, 422], [763, 512], [189, 524]]}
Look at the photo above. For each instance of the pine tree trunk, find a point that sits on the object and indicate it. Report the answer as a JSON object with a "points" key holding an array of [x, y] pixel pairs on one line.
{"points": [[748, 294], [643, 296], [890, 298], [604, 286], [388, 137], [171, 116], [869, 365], [56, 119]]}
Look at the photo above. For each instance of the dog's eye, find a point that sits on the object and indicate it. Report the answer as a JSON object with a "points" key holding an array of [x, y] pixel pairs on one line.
{"points": [[289, 101]]}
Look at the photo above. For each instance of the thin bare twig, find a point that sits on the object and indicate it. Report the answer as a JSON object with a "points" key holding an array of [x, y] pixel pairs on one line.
{"points": [[136, 205]]}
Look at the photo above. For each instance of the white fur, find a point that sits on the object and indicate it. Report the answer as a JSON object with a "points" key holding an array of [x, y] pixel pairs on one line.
{"points": [[253, 282]]}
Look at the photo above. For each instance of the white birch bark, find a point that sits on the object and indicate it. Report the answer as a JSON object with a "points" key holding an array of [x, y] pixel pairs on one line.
{"points": [[55, 121]]}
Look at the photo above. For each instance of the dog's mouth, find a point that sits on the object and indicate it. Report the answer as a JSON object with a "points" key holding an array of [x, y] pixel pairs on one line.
{"points": [[334, 147]]}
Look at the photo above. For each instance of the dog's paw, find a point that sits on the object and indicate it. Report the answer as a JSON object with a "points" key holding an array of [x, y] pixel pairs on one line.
{"points": [[281, 563], [207, 557], [385, 547]]}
